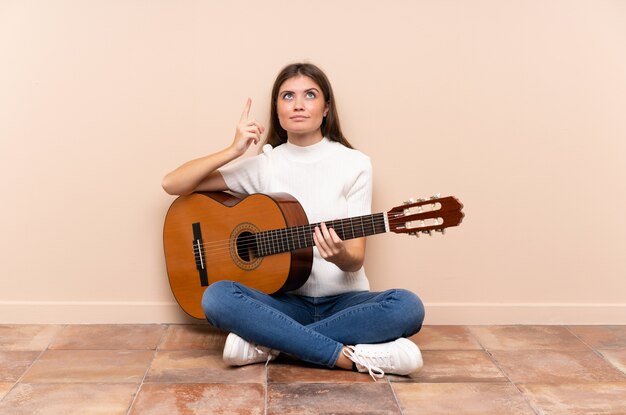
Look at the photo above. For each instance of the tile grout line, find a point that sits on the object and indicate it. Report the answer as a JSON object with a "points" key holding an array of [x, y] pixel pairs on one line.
{"points": [[19, 380], [495, 361], [140, 384], [395, 397], [266, 387], [596, 351]]}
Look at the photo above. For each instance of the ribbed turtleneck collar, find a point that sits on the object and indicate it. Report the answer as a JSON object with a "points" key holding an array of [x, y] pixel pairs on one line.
{"points": [[313, 152]]}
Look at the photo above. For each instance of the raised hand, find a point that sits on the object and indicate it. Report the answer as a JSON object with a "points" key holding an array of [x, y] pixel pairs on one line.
{"points": [[248, 131]]}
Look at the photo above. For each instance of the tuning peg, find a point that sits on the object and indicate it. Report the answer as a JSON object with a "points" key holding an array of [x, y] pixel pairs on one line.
{"points": [[441, 230], [435, 196], [428, 232], [408, 202], [414, 234]]}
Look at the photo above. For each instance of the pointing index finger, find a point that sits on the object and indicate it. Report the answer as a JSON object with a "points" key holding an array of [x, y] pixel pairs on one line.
{"points": [[246, 110]]}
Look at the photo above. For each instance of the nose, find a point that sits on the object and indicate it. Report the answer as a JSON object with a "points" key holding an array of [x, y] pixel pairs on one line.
{"points": [[298, 103]]}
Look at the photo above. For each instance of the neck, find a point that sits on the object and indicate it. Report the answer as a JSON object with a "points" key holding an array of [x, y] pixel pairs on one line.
{"points": [[305, 139], [297, 237]]}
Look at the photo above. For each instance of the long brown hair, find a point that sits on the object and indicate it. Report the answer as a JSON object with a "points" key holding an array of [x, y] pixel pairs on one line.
{"points": [[330, 128]]}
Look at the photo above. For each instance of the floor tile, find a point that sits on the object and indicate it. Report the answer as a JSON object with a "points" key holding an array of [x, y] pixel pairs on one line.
{"points": [[300, 373], [331, 398], [87, 366], [602, 337], [68, 399], [617, 358], [199, 399], [461, 398], [109, 337], [577, 399], [200, 366], [526, 338], [27, 336], [553, 366], [445, 338], [193, 336], [13, 364], [5, 387], [451, 366]]}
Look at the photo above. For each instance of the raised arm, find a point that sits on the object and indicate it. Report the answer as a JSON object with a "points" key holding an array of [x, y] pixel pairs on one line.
{"points": [[201, 173]]}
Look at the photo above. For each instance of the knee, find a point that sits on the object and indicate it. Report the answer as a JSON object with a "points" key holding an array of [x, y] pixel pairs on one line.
{"points": [[213, 300], [412, 311]]}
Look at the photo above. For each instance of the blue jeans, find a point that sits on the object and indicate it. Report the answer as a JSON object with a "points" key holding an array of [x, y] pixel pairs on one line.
{"points": [[313, 329]]}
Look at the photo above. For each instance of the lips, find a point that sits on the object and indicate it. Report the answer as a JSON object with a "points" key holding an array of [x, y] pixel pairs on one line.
{"points": [[298, 117]]}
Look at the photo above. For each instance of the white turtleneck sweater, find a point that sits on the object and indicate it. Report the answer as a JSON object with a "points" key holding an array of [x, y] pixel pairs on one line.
{"points": [[329, 180]]}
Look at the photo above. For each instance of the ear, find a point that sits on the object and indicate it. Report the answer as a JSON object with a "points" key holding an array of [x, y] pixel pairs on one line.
{"points": [[326, 109]]}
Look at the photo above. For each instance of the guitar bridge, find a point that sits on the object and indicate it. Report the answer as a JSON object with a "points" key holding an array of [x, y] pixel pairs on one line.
{"points": [[198, 252]]}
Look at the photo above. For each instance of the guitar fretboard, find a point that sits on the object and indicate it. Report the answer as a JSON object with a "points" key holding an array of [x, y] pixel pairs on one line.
{"points": [[298, 237]]}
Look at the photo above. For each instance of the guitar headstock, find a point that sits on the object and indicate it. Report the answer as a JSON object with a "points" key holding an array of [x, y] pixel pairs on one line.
{"points": [[425, 215]]}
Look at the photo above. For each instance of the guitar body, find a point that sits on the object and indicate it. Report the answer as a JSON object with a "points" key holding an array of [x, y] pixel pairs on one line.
{"points": [[208, 237]]}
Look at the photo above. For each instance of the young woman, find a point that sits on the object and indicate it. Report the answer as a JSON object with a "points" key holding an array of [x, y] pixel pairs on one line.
{"points": [[333, 319]]}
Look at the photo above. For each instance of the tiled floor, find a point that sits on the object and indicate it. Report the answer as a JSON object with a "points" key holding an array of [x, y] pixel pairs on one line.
{"points": [[177, 369]]}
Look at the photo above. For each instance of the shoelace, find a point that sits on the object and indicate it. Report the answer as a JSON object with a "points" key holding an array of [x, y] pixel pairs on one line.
{"points": [[261, 352], [374, 371]]}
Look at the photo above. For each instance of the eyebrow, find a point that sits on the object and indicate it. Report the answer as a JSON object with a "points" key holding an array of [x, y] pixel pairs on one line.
{"points": [[306, 90]]}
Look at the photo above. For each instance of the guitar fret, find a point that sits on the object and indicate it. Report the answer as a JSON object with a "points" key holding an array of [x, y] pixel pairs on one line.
{"points": [[264, 242]]}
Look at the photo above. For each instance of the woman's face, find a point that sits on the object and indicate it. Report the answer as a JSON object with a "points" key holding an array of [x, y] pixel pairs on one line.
{"points": [[301, 106]]}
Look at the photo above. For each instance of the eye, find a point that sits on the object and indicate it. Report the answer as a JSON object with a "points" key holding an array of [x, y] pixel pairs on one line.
{"points": [[310, 95], [287, 95]]}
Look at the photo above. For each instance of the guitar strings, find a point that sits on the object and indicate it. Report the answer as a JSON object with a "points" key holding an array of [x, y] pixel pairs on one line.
{"points": [[299, 230], [249, 242], [216, 255]]}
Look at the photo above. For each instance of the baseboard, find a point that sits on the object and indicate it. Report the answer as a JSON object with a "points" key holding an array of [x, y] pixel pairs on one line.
{"points": [[75, 312], [524, 313], [92, 312]]}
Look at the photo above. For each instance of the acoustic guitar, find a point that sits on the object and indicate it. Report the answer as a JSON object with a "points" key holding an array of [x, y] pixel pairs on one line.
{"points": [[266, 242]]}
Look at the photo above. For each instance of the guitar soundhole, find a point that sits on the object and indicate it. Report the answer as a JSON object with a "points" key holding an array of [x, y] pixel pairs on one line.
{"points": [[243, 248], [246, 246]]}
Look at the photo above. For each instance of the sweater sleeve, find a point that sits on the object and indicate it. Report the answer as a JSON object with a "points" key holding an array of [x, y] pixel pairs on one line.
{"points": [[249, 175], [359, 194]]}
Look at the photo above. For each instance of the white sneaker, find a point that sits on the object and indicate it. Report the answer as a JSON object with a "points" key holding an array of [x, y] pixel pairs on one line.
{"points": [[239, 352], [399, 357]]}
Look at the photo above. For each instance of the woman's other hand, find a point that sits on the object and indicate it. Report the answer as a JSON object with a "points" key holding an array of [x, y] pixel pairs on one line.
{"points": [[347, 255]]}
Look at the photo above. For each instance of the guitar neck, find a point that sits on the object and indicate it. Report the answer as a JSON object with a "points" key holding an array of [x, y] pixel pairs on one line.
{"points": [[297, 237]]}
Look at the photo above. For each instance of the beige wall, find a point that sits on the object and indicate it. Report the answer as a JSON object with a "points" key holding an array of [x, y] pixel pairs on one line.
{"points": [[515, 107]]}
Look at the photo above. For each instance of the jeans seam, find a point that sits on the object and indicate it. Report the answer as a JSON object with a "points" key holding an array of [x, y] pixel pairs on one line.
{"points": [[361, 307]]}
